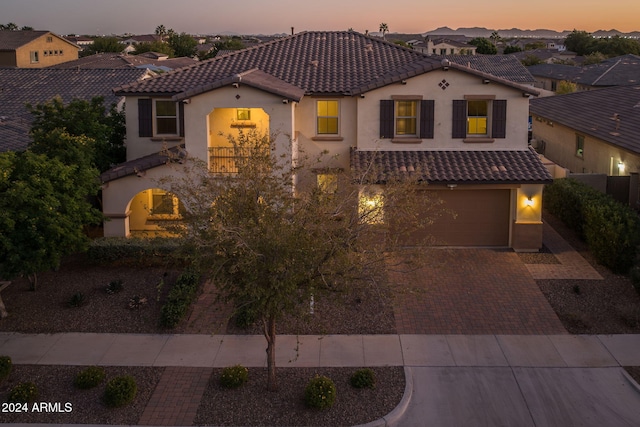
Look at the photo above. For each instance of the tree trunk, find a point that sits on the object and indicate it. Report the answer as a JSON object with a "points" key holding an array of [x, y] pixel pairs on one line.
{"points": [[3, 309], [269, 328]]}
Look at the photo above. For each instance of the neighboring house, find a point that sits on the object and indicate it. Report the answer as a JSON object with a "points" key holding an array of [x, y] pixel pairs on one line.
{"points": [[445, 46], [153, 61], [619, 71], [81, 41], [19, 86], [461, 130], [590, 132], [35, 49], [548, 56], [504, 66]]}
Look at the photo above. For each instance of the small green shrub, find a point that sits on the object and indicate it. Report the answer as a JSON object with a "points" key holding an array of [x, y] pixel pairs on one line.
{"points": [[114, 287], [23, 393], [320, 392], [234, 376], [120, 391], [363, 378], [136, 251], [5, 367], [90, 377], [76, 300], [179, 299]]}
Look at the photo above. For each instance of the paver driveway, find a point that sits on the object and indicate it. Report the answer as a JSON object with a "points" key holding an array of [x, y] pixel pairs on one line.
{"points": [[471, 291]]}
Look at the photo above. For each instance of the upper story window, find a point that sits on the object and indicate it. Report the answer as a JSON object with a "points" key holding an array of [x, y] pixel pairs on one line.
{"points": [[49, 39], [406, 118], [243, 114], [35, 58], [327, 117], [166, 118], [479, 118], [160, 118], [580, 146]]}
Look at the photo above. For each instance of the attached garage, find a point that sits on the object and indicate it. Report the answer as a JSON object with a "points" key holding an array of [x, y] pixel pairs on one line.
{"points": [[479, 218], [496, 196]]}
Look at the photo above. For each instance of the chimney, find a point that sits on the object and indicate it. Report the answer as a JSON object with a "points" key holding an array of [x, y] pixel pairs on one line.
{"points": [[291, 30]]}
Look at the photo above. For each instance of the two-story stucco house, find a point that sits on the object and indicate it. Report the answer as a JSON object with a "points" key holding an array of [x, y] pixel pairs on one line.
{"points": [[35, 49], [351, 95]]}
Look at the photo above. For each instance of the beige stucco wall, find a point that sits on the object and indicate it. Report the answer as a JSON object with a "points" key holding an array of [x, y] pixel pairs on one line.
{"points": [[599, 156], [426, 85], [40, 45]]}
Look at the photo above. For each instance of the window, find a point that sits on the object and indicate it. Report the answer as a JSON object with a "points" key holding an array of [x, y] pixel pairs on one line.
{"points": [[479, 119], [34, 57], [579, 146], [406, 118], [166, 118], [49, 39], [243, 114], [443, 51], [327, 117], [327, 183], [164, 205]]}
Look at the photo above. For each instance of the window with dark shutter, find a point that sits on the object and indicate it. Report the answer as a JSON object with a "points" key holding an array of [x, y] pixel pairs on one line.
{"points": [[386, 118], [181, 118], [499, 119], [145, 118], [459, 124], [426, 118]]}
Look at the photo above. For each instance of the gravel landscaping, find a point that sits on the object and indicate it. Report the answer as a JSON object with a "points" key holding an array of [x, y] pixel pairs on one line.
{"points": [[607, 306]]}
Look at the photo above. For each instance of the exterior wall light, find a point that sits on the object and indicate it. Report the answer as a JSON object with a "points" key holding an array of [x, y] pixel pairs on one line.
{"points": [[620, 167], [529, 202]]}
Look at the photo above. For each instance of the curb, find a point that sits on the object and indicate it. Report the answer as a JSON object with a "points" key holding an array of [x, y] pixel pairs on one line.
{"points": [[393, 417], [630, 380]]}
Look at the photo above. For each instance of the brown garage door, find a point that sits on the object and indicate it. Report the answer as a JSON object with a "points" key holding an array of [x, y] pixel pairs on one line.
{"points": [[482, 218]]}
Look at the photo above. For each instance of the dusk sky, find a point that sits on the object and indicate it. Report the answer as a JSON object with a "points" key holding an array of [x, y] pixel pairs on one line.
{"points": [[278, 16]]}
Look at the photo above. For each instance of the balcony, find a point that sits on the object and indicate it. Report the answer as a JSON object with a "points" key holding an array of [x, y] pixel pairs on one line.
{"points": [[225, 160]]}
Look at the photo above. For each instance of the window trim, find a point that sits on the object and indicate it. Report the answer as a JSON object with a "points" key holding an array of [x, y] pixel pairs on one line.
{"points": [[579, 150], [34, 57], [156, 117], [328, 136], [425, 120], [496, 119], [163, 216]]}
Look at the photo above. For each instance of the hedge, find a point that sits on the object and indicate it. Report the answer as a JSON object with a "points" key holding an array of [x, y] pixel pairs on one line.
{"points": [[180, 297], [139, 250], [610, 229]]}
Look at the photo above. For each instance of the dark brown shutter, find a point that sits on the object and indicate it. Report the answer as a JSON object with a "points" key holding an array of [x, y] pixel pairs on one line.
{"points": [[386, 118], [426, 118], [459, 122], [145, 118], [181, 118], [499, 119]]}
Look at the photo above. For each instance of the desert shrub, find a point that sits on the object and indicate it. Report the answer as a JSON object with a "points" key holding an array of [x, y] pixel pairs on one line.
{"points": [[90, 377], [114, 287], [76, 300], [363, 378], [179, 299], [136, 301], [234, 376], [120, 391], [23, 393], [320, 392], [610, 229], [5, 367]]}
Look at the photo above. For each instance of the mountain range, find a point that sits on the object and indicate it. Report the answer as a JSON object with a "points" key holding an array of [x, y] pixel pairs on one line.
{"points": [[516, 32]]}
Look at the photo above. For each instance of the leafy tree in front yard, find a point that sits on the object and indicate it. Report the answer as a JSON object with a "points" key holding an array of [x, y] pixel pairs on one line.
{"points": [[106, 127], [43, 208], [182, 44], [104, 45], [271, 249]]}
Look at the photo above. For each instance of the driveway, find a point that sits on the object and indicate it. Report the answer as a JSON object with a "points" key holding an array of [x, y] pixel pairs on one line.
{"points": [[471, 291]]}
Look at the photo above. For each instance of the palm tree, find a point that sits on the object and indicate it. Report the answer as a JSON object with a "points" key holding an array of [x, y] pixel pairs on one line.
{"points": [[384, 28], [495, 37]]}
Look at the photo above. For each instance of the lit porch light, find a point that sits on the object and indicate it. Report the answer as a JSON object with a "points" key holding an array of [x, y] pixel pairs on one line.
{"points": [[529, 202], [620, 167]]}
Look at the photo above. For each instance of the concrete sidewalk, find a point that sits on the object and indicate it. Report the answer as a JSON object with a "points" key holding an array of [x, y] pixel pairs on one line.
{"points": [[560, 351], [465, 380]]}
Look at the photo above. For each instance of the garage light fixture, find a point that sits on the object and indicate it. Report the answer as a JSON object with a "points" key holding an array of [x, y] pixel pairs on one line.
{"points": [[529, 202], [620, 167]]}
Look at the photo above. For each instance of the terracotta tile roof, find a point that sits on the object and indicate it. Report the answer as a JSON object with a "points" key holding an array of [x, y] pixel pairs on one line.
{"points": [[619, 71], [142, 164], [117, 61], [609, 114], [342, 62], [21, 86], [318, 62], [12, 40], [455, 167]]}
